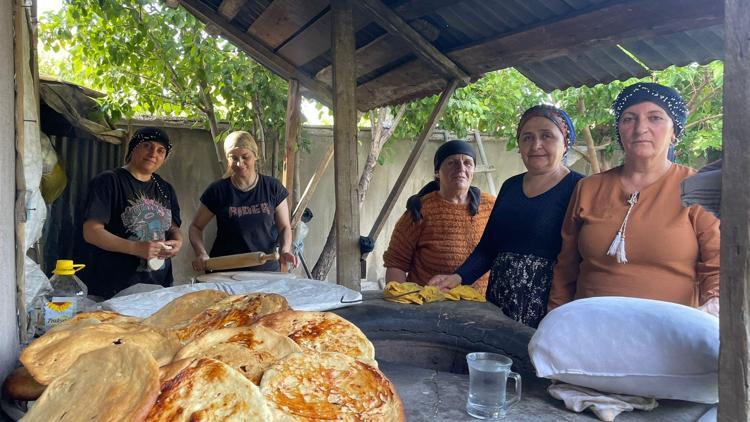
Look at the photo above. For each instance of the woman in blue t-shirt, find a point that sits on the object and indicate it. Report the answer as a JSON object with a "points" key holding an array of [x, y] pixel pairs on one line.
{"points": [[522, 238], [251, 210]]}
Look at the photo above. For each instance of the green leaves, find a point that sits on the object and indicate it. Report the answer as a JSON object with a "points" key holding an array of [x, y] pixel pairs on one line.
{"points": [[153, 59]]}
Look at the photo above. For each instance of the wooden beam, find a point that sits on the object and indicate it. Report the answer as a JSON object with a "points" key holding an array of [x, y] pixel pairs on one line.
{"points": [[230, 8], [283, 18], [291, 136], [734, 370], [605, 24], [602, 25], [395, 25], [411, 162], [315, 40], [382, 51], [417, 8], [312, 185], [257, 50], [345, 145], [391, 88]]}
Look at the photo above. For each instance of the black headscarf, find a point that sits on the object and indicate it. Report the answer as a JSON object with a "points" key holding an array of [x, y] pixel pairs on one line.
{"points": [[150, 134], [456, 146]]}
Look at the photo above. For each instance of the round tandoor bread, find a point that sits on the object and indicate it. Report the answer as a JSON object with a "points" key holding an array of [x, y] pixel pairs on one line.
{"points": [[233, 311], [20, 385], [313, 386], [92, 318], [110, 384], [322, 332], [52, 354], [181, 309], [250, 350], [209, 390]]}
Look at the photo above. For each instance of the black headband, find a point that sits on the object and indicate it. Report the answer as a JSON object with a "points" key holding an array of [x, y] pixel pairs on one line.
{"points": [[450, 148], [148, 134]]}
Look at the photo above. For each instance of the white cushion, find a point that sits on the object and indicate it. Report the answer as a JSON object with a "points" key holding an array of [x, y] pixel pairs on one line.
{"points": [[630, 346]]}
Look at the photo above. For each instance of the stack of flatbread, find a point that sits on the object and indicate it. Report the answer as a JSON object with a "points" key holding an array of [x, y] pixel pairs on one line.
{"points": [[205, 356]]}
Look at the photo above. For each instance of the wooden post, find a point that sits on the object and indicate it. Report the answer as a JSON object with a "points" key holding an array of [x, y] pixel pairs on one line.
{"points": [[734, 371], [292, 134], [345, 145]]}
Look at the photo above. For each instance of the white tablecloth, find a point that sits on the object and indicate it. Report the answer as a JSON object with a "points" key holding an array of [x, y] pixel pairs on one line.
{"points": [[301, 293]]}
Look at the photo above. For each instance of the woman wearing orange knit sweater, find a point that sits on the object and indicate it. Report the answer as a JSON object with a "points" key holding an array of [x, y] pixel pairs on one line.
{"points": [[443, 222], [672, 253]]}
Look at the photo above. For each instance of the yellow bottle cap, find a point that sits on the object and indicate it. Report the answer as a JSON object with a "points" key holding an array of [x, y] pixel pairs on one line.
{"points": [[66, 267]]}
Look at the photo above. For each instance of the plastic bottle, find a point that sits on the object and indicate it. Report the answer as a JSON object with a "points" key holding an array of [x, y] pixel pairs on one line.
{"points": [[66, 297]]}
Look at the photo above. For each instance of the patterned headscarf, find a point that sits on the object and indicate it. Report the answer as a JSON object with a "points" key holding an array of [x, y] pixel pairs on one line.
{"points": [[557, 116], [665, 97], [150, 134]]}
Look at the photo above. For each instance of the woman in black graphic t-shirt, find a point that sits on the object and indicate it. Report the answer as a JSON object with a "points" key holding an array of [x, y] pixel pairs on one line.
{"points": [[132, 215], [251, 210]]}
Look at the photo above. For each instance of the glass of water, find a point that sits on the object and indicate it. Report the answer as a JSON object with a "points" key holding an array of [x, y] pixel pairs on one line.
{"points": [[488, 380]]}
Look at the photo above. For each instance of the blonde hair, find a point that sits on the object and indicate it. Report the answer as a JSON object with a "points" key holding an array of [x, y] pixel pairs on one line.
{"points": [[240, 139]]}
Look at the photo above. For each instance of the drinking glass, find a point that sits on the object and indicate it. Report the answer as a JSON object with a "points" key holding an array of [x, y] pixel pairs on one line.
{"points": [[488, 380]]}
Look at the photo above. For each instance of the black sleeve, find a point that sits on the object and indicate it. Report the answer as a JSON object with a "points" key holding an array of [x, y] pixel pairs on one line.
{"points": [[210, 197], [99, 198], [480, 260], [278, 192]]}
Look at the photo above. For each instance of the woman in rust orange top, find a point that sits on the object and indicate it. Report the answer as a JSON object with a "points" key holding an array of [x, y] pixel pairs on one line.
{"points": [[443, 222], [625, 232]]}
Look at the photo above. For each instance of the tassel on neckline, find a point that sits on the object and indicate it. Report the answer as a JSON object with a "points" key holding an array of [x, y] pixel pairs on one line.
{"points": [[617, 248]]}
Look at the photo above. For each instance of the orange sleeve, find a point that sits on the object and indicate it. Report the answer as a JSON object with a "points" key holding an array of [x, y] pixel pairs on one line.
{"points": [[400, 252], [707, 231], [565, 273]]}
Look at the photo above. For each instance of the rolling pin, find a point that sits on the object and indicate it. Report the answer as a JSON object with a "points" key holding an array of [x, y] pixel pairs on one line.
{"points": [[241, 260]]}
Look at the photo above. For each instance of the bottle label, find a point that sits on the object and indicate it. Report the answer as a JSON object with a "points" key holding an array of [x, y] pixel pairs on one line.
{"points": [[58, 310]]}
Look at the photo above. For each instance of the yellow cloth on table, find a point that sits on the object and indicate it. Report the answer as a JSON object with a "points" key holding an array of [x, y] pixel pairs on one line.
{"points": [[408, 292], [403, 292], [464, 292], [431, 294]]}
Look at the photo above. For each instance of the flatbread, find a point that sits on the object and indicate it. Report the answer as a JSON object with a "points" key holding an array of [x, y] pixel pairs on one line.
{"points": [[328, 386], [181, 309], [92, 318], [20, 385], [112, 383], [209, 390], [249, 350], [52, 354], [322, 332], [234, 311]]}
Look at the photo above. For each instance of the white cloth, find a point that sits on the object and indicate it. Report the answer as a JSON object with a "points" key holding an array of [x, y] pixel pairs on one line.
{"points": [[301, 293], [606, 407], [624, 345]]}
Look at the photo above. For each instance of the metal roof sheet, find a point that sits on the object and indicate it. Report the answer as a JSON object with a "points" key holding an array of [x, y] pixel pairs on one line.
{"points": [[556, 43]]}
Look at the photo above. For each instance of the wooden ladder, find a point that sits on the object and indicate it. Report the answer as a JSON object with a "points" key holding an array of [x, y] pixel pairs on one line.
{"points": [[483, 165]]}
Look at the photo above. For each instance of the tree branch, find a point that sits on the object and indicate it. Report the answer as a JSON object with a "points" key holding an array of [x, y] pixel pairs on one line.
{"points": [[704, 120]]}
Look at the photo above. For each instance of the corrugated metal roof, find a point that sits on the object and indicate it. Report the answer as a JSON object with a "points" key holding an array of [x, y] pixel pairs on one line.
{"points": [[604, 65], [698, 45], [556, 43]]}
